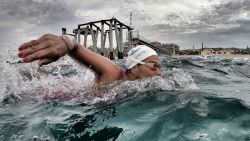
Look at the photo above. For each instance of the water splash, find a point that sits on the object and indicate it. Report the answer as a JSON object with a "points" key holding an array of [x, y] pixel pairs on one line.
{"points": [[66, 80]]}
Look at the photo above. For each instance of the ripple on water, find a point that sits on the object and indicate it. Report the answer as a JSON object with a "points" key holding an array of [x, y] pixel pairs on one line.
{"points": [[195, 99]]}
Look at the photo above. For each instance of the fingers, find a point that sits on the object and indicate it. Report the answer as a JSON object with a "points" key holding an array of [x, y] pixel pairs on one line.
{"points": [[48, 46], [28, 44], [43, 38], [32, 49], [45, 61], [45, 53]]}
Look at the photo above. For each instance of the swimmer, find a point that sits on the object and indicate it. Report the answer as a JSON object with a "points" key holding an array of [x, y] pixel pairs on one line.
{"points": [[141, 62]]}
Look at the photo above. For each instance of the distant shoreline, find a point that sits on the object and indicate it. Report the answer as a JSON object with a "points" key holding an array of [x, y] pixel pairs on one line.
{"points": [[226, 56]]}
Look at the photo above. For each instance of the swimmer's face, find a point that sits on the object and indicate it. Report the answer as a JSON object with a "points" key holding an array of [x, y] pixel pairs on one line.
{"points": [[150, 68]]}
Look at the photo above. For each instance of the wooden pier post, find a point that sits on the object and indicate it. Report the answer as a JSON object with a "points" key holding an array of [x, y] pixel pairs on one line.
{"points": [[64, 32], [121, 50], [129, 40], [78, 35], [106, 28], [104, 42], [117, 39], [111, 50], [86, 32], [102, 38], [94, 37]]}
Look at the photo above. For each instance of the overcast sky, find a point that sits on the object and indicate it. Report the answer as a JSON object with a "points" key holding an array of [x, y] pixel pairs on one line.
{"points": [[217, 23]]}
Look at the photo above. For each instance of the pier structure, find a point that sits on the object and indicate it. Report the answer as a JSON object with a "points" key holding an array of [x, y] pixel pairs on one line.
{"points": [[137, 39], [105, 28]]}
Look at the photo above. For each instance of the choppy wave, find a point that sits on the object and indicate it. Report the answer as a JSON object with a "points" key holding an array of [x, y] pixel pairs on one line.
{"points": [[196, 98]]}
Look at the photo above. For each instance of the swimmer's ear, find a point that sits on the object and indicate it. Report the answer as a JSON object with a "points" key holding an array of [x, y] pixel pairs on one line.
{"points": [[135, 69]]}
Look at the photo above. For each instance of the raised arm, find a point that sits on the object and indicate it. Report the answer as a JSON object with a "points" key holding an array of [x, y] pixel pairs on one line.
{"points": [[49, 48]]}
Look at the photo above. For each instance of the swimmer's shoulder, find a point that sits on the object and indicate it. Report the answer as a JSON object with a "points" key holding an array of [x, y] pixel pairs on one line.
{"points": [[112, 76]]}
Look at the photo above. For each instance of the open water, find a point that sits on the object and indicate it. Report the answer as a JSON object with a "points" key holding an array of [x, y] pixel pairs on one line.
{"points": [[195, 99]]}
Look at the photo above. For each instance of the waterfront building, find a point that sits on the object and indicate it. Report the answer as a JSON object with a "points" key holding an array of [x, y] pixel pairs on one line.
{"points": [[170, 48], [216, 51]]}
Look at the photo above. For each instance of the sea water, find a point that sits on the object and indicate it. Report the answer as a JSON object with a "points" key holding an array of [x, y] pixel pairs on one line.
{"points": [[195, 99]]}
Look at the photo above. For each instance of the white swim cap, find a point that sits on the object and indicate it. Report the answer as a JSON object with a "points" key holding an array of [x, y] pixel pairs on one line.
{"points": [[137, 54]]}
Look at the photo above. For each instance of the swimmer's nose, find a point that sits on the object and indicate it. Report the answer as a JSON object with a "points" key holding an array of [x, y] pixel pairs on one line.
{"points": [[158, 72]]}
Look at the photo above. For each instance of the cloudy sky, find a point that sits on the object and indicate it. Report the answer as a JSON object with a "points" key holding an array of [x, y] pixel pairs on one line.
{"points": [[217, 23]]}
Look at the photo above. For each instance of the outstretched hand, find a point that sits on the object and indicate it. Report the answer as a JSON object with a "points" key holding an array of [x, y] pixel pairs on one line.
{"points": [[46, 49]]}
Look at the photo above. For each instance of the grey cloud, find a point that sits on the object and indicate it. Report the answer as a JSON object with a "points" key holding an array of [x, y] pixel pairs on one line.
{"points": [[172, 17], [232, 7], [215, 26], [243, 28], [223, 13], [209, 21], [44, 12], [22, 19]]}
